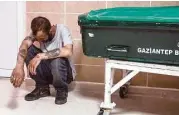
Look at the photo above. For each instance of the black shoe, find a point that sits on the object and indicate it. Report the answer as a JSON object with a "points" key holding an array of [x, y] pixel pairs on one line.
{"points": [[61, 97], [37, 93]]}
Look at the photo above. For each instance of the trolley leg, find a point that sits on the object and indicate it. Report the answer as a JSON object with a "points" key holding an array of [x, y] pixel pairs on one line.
{"points": [[107, 106], [112, 75]]}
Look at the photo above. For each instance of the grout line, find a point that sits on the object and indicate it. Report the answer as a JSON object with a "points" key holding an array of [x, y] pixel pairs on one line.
{"points": [[75, 13], [54, 12], [89, 65], [106, 4], [43, 13], [65, 12], [147, 84], [150, 3]]}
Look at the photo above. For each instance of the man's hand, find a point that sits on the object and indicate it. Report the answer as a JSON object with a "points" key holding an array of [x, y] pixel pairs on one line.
{"points": [[17, 76], [33, 64]]}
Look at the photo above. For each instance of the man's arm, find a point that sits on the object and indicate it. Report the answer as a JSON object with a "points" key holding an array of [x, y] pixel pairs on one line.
{"points": [[66, 51], [23, 51], [17, 76]]}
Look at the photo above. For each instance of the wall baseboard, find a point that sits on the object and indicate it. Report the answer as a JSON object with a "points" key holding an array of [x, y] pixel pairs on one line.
{"points": [[5, 73]]}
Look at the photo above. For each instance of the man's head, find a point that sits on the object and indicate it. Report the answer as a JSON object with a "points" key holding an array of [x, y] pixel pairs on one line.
{"points": [[40, 27]]}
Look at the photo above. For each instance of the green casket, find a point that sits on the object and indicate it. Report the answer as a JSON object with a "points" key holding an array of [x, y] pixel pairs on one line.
{"points": [[141, 34]]}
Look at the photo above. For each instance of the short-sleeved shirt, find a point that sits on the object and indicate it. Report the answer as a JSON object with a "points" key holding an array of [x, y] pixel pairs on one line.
{"points": [[62, 37]]}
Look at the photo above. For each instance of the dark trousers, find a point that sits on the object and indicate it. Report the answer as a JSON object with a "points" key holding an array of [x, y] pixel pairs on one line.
{"points": [[53, 71]]}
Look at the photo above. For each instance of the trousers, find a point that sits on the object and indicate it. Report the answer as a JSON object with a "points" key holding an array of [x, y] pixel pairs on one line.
{"points": [[56, 71]]}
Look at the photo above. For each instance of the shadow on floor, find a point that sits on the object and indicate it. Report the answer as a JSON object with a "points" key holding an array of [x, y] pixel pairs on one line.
{"points": [[12, 103]]}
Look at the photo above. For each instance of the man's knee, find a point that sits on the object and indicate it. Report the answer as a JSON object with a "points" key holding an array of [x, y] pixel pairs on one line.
{"points": [[59, 63], [59, 69]]}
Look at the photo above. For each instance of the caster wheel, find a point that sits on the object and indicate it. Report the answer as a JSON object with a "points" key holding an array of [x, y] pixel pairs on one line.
{"points": [[101, 112], [123, 91], [104, 112]]}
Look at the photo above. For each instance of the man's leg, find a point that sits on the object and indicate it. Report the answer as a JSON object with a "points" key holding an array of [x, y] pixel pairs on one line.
{"points": [[41, 78], [59, 69]]}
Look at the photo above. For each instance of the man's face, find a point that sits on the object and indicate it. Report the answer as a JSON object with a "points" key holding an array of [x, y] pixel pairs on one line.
{"points": [[41, 36]]}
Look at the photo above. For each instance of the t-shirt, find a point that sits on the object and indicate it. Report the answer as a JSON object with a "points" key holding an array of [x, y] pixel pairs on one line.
{"points": [[62, 37]]}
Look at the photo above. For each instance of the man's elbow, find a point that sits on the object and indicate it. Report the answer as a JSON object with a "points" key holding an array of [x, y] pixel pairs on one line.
{"points": [[67, 52]]}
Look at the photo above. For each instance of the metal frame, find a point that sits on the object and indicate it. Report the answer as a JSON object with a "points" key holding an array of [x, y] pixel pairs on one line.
{"points": [[135, 68]]}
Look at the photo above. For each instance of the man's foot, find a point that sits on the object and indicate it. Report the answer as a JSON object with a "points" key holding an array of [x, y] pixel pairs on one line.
{"points": [[61, 97], [37, 93]]}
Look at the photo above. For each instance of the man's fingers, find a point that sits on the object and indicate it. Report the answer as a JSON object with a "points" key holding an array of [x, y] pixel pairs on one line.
{"points": [[14, 81], [34, 65], [11, 79], [19, 82], [35, 69], [30, 69]]}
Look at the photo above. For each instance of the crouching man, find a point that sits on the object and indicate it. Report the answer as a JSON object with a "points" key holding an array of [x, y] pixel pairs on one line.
{"points": [[47, 53]]}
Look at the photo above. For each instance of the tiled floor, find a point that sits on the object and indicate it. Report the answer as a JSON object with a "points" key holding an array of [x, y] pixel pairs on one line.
{"points": [[80, 103]]}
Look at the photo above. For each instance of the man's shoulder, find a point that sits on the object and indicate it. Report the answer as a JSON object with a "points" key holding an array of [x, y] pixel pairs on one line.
{"points": [[30, 37], [62, 26]]}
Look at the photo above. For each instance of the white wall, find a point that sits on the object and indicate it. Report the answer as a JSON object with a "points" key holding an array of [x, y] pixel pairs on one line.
{"points": [[12, 31]]}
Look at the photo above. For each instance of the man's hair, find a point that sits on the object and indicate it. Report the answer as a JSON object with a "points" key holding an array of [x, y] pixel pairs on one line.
{"points": [[40, 24]]}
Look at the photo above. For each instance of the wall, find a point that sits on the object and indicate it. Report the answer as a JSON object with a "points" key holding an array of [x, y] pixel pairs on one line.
{"points": [[92, 69]]}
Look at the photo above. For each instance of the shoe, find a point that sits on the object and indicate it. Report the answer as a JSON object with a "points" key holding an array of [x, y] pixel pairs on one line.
{"points": [[61, 97], [37, 93]]}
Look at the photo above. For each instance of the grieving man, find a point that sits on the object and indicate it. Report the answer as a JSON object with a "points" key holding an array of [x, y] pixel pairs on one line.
{"points": [[47, 53]]}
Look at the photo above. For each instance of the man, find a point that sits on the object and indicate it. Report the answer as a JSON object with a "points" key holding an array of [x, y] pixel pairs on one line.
{"points": [[47, 53]]}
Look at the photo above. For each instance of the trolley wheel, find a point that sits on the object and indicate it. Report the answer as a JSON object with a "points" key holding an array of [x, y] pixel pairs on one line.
{"points": [[104, 112], [123, 91], [101, 112]]}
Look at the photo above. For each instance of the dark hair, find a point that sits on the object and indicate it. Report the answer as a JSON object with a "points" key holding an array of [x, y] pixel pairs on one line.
{"points": [[40, 24]]}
